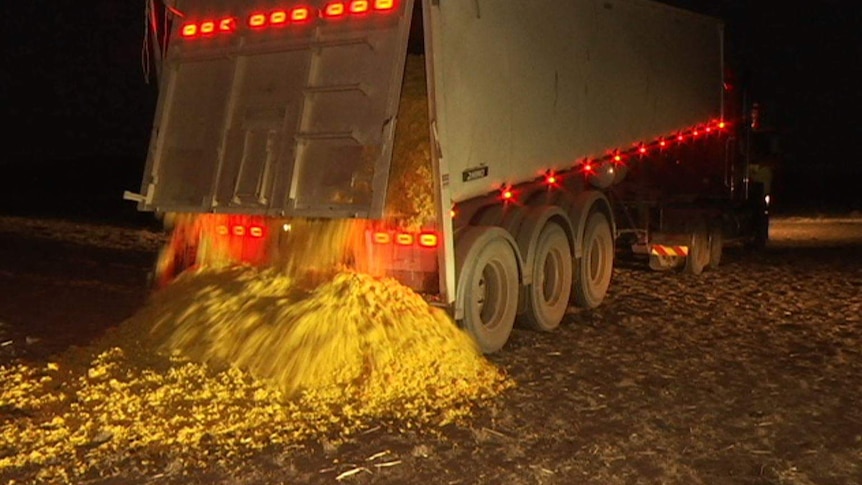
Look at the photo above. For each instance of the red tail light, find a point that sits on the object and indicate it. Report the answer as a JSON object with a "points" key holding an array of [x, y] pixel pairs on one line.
{"points": [[404, 239], [257, 20], [359, 6], [334, 10], [382, 238], [279, 17], [428, 240], [300, 14], [189, 30], [227, 25], [384, 4]]}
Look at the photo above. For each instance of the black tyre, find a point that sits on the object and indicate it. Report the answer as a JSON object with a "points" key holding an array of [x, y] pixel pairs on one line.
{"points": [[488, 285], [548, 295], [698, 252], [596, 265]]}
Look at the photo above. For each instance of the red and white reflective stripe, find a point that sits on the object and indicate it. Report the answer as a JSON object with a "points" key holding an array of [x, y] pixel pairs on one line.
{"points": [[660, 250]]}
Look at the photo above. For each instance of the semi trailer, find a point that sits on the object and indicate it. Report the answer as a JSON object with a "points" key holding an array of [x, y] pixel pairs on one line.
{"points": [[499, 155]]}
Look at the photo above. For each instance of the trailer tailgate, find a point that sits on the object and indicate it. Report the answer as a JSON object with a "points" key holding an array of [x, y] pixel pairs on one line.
{"points": [[278, 109]]}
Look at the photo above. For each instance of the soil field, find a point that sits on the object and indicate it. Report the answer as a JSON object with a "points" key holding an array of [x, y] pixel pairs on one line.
{"points": [[749, 374]]}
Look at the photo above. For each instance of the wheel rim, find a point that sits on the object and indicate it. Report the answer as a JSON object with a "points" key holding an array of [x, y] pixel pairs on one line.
{"points": [[552, 287]]}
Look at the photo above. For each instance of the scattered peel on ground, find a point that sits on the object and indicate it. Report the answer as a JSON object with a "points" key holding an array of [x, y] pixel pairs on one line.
{"points": [[326, 358]]}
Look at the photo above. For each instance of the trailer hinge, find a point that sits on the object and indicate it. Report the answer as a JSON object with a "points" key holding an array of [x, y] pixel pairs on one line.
{"points": [[133, 196], [140, 199]]}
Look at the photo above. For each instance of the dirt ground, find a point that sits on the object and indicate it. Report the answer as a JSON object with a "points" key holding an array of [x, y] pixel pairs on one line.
{"points": [[751, 374]]}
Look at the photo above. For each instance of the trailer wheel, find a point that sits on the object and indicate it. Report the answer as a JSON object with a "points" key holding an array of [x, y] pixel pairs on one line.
{"points": [[596, 264], [698, 252], [716, 247], [548, 295], [488, 283]]}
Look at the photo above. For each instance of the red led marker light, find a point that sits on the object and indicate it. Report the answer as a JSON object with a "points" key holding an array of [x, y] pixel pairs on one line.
{"points": [[642, 149], [189, 30], [255, 231], [334, 10], [359, 6], [381, 238], [404, 239], [222, 230], [551, 178], [239, 231], [618, 158], [384, 4], [257, 20], [507, 195], [721, 124], [207, 27], [428, 240], [279, 17], [662, 143], [300, 14], [227, 25]]}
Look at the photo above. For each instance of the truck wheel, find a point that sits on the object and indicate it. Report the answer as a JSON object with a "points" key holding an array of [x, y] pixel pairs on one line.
{"points": [[596, 264], [548, 295], [716, 247], [488, 285], [698, 252]]}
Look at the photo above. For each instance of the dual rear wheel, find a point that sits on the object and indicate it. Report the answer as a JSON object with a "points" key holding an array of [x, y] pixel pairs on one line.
{"points": [[487, 265]]}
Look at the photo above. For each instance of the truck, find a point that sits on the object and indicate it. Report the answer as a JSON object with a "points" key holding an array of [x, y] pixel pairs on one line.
{"points": [[554, 137]]}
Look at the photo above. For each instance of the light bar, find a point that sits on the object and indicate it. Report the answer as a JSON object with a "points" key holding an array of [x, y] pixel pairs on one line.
{"points": [[283, 17]]}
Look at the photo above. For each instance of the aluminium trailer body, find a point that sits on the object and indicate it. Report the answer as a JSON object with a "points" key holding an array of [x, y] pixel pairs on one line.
{"points": [[283, 109]]}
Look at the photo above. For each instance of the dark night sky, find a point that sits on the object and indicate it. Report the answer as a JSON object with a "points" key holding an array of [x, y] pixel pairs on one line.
{"points": [[74, 94]]}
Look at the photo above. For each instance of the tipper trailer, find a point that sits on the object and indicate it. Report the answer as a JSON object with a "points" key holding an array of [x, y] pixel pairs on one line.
{"points": [[553, 134]]}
